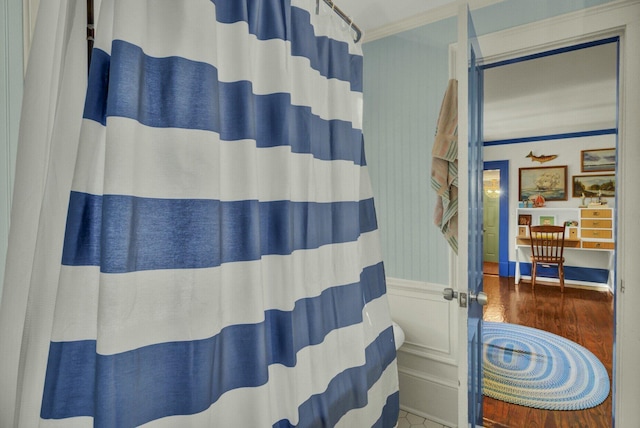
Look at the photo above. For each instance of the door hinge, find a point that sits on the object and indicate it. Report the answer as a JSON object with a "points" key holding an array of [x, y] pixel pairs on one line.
{"points": [[621, 286]]}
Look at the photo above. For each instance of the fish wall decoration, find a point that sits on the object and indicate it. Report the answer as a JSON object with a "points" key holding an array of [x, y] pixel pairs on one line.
{"points": [[542, 158]]}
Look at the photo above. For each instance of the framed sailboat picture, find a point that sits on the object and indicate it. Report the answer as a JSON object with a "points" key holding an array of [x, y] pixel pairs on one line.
{"points": [[548, 181]]}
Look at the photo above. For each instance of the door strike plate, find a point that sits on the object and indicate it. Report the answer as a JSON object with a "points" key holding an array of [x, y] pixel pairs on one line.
{"points": [[462, 300]]}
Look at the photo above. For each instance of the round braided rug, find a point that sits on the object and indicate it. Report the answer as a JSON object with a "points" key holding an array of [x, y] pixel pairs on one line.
{"points": [[535, 368]]}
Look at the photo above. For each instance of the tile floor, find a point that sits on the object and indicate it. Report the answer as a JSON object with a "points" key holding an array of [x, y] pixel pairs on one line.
{"points": [[408, 420]]}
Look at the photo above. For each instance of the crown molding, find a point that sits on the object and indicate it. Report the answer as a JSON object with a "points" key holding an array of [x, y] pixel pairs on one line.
{"points": [[424, 18], [583, 25]]}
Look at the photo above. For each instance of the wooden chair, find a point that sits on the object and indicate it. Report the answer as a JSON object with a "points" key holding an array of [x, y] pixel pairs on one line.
{"points": [[547, 248]]}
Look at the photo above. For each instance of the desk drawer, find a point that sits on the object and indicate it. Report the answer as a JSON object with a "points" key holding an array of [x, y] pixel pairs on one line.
{"points": [[596, 213], [602, 245], [596, 233], [597, 224], [571, 243]]}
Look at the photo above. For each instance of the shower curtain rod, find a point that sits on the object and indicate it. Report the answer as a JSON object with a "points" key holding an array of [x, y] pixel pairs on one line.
{"points": [[330, 3], [343, 16]]}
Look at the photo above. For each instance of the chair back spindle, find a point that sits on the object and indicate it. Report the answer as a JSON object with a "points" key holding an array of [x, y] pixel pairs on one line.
{"points": [[547, 247]]}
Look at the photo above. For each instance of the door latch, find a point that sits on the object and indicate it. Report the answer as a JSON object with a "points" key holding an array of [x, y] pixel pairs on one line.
{"points": [[450, 294], [463, 298], [481, 298]]}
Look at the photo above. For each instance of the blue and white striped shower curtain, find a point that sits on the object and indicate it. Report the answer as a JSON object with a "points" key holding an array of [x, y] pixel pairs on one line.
{"points": [[221, 264]]}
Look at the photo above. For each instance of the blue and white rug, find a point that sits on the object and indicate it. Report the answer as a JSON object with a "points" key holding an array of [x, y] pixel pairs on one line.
{"points": [[535, 368]]}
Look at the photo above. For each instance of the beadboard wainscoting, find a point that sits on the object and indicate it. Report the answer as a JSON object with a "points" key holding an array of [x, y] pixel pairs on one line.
{"points": [[427, 361]]}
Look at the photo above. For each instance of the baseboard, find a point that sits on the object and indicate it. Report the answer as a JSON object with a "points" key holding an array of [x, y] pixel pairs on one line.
{"points": [[428, 399], [587, 277]]}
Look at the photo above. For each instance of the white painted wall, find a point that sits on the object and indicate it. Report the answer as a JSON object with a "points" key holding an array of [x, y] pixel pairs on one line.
{"points": [[574, 91], [568, 151]]}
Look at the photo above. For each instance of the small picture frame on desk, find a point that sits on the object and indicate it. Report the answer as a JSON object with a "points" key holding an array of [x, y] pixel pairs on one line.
{"points": [[573, 233], [522, 231], [547, 220], [524, 220]]}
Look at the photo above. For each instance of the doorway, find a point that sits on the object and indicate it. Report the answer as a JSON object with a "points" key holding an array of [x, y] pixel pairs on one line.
{"points": [[566, 145], [496, 197], [491, 221]]}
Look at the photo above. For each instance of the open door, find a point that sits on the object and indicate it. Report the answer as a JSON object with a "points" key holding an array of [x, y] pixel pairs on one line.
{"points": [[491, 220], [470, 295]]}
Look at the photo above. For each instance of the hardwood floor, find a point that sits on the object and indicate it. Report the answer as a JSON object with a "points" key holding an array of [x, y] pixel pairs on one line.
{"points": [[584, 316], [490, 268]]}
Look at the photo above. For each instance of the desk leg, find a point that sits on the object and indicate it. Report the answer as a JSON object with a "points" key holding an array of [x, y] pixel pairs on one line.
{"points": [[517, 280]]}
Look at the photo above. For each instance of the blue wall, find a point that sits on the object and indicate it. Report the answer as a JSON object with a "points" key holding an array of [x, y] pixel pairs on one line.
{"points": [[405, 76]]}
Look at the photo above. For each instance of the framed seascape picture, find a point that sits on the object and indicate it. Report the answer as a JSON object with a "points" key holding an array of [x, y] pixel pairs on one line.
{"points": [[598, 160], [548, 181], [594, 185]]}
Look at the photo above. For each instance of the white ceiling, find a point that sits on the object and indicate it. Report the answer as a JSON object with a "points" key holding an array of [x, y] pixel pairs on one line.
{"points": [[575, 91]]}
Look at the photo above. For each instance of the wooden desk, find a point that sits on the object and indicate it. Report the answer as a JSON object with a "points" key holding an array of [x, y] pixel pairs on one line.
{"points": [[575, 255], [568, 243]]}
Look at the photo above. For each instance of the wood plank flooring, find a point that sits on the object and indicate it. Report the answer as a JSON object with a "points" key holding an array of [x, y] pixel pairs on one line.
{"points": [[490, 268], [584, 316]]}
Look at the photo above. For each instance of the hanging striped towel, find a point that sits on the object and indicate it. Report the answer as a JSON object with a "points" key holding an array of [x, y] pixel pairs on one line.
{"points": [[444, 166]]}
